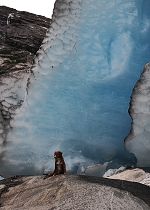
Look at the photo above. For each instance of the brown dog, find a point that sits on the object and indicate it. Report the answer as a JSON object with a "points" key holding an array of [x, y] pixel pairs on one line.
{"points": [[60, 166]]}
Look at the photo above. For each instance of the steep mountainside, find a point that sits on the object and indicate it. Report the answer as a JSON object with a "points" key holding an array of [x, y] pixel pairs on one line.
{"points": [[21, 34]]}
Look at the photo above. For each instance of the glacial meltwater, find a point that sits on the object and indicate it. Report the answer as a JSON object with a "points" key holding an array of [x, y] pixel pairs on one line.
{"points": [[79, 95]]}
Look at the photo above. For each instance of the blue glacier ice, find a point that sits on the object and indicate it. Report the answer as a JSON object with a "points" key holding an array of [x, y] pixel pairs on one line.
{"points": [[79, 94]]}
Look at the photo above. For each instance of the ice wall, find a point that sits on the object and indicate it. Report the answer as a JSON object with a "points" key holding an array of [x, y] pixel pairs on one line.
{"points": [[138, 141], [83, 77]]}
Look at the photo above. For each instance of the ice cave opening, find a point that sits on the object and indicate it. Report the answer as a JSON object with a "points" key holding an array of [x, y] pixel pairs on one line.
{"points": [[79, 95]]}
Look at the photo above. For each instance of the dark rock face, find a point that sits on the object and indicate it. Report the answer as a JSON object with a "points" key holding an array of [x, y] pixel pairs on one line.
{"points": [[21, 35]]}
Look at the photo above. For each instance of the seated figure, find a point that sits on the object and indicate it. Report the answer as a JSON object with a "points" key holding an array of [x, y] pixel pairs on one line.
{"points": [[60, 166]]}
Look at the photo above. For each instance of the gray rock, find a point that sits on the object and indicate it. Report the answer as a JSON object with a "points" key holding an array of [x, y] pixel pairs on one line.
{"points": [[133, 175], [71, 192], [2, 186]]}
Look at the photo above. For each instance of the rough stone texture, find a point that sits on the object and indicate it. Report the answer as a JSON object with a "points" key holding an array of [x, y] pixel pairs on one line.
{"points": [[134, 175], [70, 192], [21, 34], [138, 141]]}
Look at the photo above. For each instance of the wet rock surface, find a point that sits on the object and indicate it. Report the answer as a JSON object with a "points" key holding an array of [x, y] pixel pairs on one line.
{"points": [[72, 192], [21, 34]]}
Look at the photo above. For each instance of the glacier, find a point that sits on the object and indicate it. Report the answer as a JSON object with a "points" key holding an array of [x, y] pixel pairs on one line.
{"points": [[138, 140], [78, 97]]}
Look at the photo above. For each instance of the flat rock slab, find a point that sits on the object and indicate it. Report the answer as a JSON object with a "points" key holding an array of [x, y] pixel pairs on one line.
{"points": [[134, 175], [68, 192]]}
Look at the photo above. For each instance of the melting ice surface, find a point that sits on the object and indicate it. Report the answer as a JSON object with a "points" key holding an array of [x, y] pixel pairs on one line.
{"points": [[91, 59]]}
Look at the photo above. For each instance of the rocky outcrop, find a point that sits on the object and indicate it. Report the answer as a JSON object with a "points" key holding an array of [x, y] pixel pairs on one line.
{"points": [[21, 34], [71, 192], [138, 141], [133, 175]]}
